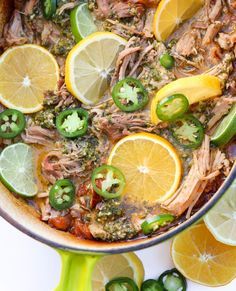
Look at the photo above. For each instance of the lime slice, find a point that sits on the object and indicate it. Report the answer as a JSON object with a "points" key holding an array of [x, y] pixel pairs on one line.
{"points": [[221, 220], [82, 23], [16, 169], [226, 130]]}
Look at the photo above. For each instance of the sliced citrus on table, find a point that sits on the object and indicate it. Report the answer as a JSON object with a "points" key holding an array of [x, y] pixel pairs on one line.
{"points": [[16, 169], [171, 13], [82, 23], [202, 259], [26, 73], [226, 130], [113, 266], [221, 220], [196, 89], [150, 164], [90, 63]]}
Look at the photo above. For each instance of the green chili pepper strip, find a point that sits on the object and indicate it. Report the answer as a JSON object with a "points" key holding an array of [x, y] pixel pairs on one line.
{"points": [[108, 181], [62, 194], [49, 8], [172, 107], [173, 280], [188, 132], [12, 123], [152, 224], [121, 284], [72, 123], [130, 95], [151, 285]]}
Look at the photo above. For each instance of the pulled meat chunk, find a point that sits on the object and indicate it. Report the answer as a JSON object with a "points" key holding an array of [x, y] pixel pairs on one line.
{"points": [[119, 124], [14, 33], [38, 135], [207, 165], [73, 159], [188, 43], [211, 32], [51, 169], [119, 9]]}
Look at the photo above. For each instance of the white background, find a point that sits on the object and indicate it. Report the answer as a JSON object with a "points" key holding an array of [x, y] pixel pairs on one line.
{"points": [[27, 265]]}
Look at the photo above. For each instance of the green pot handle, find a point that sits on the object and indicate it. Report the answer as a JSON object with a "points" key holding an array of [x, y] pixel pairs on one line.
{"points": [[76, 273]]}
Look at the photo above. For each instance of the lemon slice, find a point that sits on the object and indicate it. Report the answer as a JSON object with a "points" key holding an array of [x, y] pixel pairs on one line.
{"points": [[113, 266], [150, 164], [221, 219], [89, 65], [196, 89], [171, 13], [26, 73], [202, 259]]}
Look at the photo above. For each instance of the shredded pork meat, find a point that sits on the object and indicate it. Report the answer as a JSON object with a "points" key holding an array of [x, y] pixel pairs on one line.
{"points": [[221, 108], [207, 165], [38, 135], [118, 124], [14, 33]]}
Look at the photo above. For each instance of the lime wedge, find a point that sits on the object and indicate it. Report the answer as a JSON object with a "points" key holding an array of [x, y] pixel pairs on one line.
{"points": [[226, 130], [82, 23], [221, 220], [16, 169]]}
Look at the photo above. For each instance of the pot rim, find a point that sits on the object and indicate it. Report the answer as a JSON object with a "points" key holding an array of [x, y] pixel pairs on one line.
{"points": [[138, 244]]}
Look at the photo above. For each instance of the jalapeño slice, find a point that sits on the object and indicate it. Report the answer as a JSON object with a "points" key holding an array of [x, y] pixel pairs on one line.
{"points": [[12, 123], [188, 132], [72, 123], [172, 107], [108, 181], [49, 8], [130, 95], [152, 224], [62, 194], [172, 280], [122, 283]]}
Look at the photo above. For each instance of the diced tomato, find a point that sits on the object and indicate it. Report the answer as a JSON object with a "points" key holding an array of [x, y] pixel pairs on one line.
{"points": [[87, 190], [83, 190], [81, 230], [60, 222]]}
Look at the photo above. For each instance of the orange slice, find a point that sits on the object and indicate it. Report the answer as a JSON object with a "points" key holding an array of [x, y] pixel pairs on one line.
{"points": [[150, 164], [202, 259]]}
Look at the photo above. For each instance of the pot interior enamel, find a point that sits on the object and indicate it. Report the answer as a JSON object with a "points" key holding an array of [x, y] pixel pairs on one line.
{"points": [[25, 218]]}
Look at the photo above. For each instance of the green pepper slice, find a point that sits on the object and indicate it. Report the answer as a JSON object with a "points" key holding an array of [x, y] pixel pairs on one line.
{"points": [[49, 8], [151, 285], [188, 132], [12, 123], [172, 280], [130, 95], [172, 107], [152, 224], [121, 284], [72, 123], [108, 181], [62, 194]]}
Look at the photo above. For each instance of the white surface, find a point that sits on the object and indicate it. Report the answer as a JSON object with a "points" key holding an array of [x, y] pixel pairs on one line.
{"points": [[27, 265]]}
